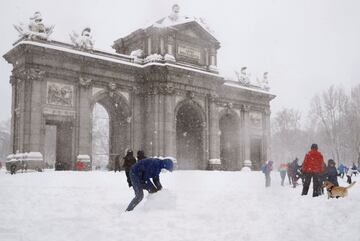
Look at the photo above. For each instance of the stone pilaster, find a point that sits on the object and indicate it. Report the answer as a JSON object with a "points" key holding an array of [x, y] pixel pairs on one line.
{"points": [[34, 133], [84, 125]]}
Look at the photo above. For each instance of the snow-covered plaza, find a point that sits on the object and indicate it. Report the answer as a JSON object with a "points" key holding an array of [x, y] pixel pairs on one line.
{"points": [[194, 205]]}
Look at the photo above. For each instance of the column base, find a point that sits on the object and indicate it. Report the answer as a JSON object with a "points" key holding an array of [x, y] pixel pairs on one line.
{"points": [[214, 164]]}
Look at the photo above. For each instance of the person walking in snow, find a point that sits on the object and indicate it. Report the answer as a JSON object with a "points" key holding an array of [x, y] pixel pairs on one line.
{"points": [[341, 169], [332, 173], [129, 160], [354, 169], [294, 171], [283, 170], [142, 172], [312, 167], [349, 173], [266, 169]]}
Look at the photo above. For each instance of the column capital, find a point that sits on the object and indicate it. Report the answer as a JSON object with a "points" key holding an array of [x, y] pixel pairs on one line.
{"points": [[245, 108], [85, 82], [29, 74]]}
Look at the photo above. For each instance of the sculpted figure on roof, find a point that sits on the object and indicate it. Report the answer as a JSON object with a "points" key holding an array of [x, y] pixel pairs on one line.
{"points": [[36, 29], [83, 41]]}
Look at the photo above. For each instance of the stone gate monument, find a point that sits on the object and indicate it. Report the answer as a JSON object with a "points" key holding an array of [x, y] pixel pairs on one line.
{"points": [[161, 89]]}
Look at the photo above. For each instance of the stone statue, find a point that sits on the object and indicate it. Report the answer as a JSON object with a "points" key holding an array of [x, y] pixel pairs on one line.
{"points": [[35, 30], [83, 41], [264, 82], [243, 77], [174, 16]]}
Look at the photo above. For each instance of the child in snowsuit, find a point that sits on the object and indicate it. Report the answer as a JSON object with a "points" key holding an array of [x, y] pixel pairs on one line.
{"points": [[129, 160], [283, 170], [142, 172], [331, 173]]}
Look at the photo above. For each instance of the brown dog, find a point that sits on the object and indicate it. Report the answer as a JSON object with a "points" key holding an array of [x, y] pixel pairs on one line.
{"points": [[334, 191]]}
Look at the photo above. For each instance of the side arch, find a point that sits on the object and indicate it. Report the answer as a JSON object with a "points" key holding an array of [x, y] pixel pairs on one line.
{"points": [[119, 113]]}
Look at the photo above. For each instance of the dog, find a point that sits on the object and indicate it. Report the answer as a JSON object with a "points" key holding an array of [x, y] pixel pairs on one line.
{"points": [[336, 192]]}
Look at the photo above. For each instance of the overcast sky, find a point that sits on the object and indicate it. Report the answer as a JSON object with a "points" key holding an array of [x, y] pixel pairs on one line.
{"points": [[305, 45]]}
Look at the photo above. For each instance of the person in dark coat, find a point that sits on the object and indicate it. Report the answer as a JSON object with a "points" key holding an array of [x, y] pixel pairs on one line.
{"points": [[140, 155], [142, 172], [117, 163], [13, 169], [266, 169], [331, 173], [129, 160], [312, 168]]}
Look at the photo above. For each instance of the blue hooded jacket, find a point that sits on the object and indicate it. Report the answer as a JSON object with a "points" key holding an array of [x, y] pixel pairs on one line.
{"points": [[151, 167]]}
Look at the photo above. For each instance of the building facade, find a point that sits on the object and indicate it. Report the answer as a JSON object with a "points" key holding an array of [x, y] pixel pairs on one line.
{"points": [[161, 89]]}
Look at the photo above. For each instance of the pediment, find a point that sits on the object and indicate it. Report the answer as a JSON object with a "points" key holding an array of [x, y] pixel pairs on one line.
{"points": [[195, 30]]}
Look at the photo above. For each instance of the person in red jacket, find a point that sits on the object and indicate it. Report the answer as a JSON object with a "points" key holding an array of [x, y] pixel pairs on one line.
{"points": [[312, 168]]}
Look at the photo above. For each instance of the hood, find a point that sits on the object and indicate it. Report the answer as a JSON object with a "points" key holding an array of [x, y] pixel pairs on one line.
{"points": [[168, 164]]}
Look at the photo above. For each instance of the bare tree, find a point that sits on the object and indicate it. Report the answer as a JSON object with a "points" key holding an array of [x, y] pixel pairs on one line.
{"points": [[287, 137], [353, 123], [328, 115]]}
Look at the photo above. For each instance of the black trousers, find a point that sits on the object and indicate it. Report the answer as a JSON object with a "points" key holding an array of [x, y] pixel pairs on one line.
{"points": [[316, 183]]}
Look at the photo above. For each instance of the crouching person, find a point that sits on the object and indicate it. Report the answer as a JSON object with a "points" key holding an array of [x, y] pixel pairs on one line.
{"points": [[142, 172]]}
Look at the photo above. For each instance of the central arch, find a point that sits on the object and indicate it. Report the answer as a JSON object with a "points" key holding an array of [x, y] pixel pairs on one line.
{"points": [[190, 136], [119, 114]]}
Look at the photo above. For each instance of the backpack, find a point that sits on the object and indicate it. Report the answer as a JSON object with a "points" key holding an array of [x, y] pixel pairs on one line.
{"points": [[263, 168]]}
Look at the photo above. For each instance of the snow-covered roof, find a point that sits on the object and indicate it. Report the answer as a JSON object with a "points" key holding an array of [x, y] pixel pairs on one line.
{"points": [[236, 85], [126, 60], [116, 58]]}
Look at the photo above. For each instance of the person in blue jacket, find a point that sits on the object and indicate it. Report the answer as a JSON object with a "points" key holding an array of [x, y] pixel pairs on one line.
{"points": [[331, 173], [341, 170], [141, 173]]}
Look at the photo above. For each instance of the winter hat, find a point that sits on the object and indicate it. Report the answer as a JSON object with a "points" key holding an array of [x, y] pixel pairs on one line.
{"points": [[140, 154], [168, 164], [129, 152], [331, 161], [314, 146]]}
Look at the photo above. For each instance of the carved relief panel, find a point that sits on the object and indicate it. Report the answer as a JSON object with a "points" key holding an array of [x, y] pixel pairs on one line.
{"points": [[59, 94], [255, 119]]}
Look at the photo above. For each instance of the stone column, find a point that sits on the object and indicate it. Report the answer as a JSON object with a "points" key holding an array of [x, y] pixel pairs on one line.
{"points": [[137, 120], [214, 137], [246, 131], [149, 124], [13, 113], [169, 124], [266, 152]]}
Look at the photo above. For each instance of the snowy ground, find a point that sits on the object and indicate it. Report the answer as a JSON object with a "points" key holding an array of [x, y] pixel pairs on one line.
{"points": [[195, 205]]}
